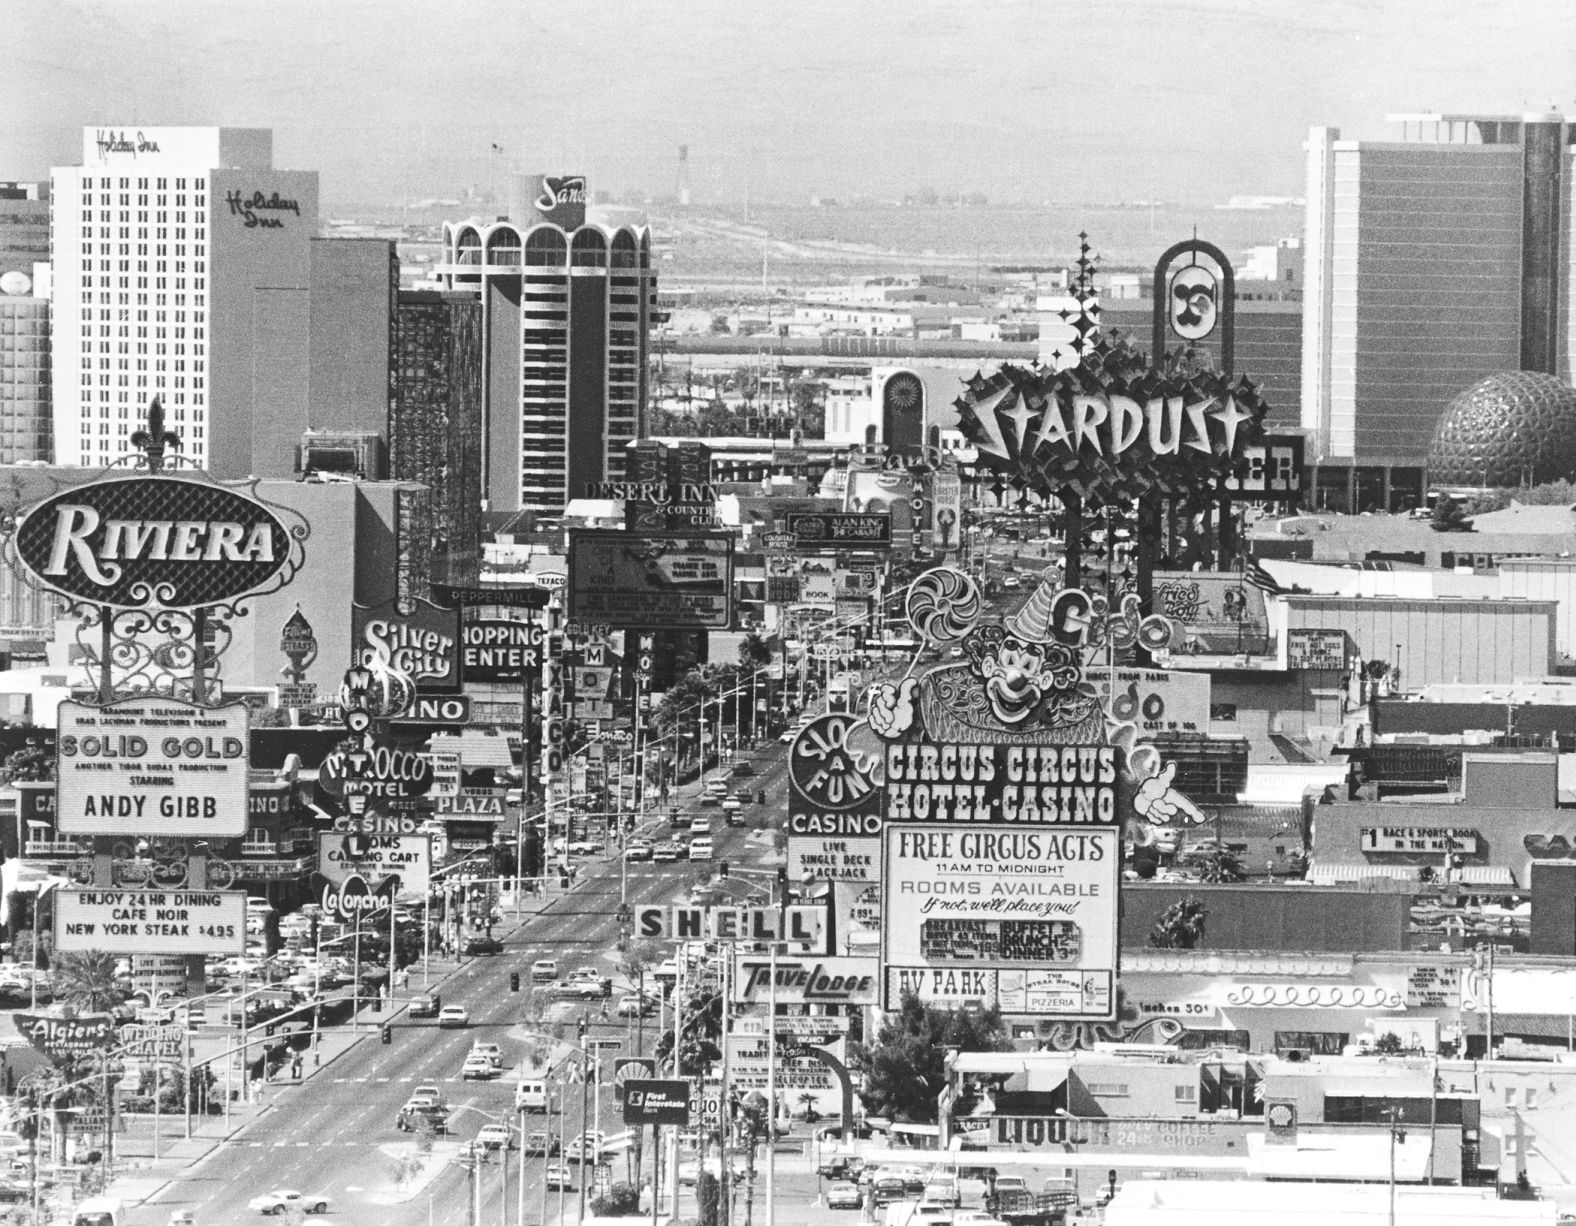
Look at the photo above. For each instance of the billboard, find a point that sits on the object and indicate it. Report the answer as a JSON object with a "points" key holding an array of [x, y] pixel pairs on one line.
{"points": [[64, 1037], [152, 766], [841, 530], [151, 921], [498, 650], [416, 638], [971, 896], [560, 199], [946, 513], [656, 1101], [656, 582], [1157, 700], [376, 857]]}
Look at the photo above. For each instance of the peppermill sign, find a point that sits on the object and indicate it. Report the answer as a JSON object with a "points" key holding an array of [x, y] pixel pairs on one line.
{"points": [[157, 541]]}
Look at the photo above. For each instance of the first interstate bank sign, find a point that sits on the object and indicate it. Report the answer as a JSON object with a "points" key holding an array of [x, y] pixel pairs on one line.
{"points": [[157, 542]]}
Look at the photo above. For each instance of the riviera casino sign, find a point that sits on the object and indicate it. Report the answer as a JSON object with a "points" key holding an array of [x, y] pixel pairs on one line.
{"points": [[156, 541]]}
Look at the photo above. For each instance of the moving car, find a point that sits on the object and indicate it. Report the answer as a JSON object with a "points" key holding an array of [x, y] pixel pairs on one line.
{"points": [[495, 1136], [843, 1196], [731, 806], [639, 849], [587, 1147], [575, 989], [477, 1067], [710, 800], [482, 945], [667, 851], [887, 1190], [282, 1199], [557, 1176], [786, 737], [531, 1095], [426, 1005], [700, 849], [490, 1052], [634, 1006], [540, 1145], [743, 770], [452, 1016], [700, 826], [544, 970]]}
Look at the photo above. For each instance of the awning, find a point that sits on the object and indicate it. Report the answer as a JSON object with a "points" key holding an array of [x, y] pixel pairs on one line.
{"points": [[1559, 1026], [1365, 1156], [1335, 874], [475, 748], [1483, 874]]}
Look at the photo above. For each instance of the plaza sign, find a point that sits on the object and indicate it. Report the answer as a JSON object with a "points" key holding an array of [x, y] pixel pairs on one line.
{"points": [[152, 766], [159, 542]]}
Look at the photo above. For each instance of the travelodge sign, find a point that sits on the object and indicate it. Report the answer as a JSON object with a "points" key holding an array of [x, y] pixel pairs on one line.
{"points": [[157, 541]]}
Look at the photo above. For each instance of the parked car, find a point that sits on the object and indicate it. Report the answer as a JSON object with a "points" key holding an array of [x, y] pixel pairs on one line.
{"points": [[453, 1016], [282, 1199], [844, 1196]]}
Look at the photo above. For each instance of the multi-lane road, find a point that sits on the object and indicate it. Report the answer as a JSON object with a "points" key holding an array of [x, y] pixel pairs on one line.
{"points": [[335, 1133]]}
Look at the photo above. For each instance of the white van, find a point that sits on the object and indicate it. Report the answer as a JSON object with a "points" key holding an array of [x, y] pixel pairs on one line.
{"points": [[99, 1211], [530, 1096]]}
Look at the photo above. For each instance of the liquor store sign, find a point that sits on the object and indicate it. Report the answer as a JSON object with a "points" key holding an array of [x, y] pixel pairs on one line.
{"points": [[157, 541], [152, 766], [151, 921]]}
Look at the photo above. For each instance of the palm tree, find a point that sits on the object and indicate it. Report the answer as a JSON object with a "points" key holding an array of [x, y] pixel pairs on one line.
{"points": [[86, 982], [1181, 926]]}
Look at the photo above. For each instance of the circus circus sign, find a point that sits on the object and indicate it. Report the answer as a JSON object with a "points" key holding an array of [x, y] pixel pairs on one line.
{"points": [[1106, 433]]}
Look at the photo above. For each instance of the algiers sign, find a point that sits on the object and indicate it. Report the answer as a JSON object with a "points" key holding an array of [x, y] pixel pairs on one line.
{"points": [[157, 541]]}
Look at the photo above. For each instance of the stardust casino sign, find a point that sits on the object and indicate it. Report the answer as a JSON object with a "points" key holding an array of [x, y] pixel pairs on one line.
{"points": [[1107, 432], [157, 542]]}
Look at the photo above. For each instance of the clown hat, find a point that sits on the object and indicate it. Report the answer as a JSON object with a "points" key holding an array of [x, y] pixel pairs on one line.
{"points": [[1032, 623]]}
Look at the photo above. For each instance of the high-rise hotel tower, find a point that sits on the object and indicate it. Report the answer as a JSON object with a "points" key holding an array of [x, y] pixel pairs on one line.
{"points": [[567, 308], [179, 257]]}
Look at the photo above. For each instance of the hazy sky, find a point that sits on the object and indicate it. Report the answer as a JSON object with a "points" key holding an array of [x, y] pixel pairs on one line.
{"points": [[1185, 100]]}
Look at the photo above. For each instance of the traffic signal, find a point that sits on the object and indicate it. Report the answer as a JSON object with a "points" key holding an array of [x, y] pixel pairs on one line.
{"points": [[514, 981], [388, 1035], [722, 868], [377, 1002]]}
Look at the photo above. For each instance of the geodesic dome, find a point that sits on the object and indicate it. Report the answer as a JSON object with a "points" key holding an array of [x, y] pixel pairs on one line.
{"points": [[1510, 429]]}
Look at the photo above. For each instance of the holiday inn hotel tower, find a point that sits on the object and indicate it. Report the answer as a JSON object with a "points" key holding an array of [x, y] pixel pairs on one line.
{"points": [[180, 256]]}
